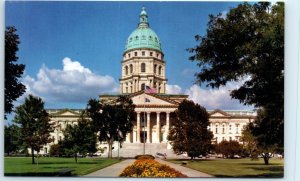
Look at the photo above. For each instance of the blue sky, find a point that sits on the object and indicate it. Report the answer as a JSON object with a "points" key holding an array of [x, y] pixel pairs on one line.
{"points": [[73, 50]]}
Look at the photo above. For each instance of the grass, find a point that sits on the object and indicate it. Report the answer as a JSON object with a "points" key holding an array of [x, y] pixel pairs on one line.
{"points": [[236, 167], [49, 166]]}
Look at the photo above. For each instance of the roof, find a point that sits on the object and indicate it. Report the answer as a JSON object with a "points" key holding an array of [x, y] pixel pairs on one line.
{"points": [[143, 36]]}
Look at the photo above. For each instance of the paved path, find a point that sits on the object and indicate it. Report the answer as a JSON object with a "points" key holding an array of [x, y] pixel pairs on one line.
{"points": [[113, 170], [116, 169], [187, 171]]}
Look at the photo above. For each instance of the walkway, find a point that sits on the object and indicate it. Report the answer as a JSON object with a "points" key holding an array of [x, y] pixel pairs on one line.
{"points": [[113, 170], [116, 169]]}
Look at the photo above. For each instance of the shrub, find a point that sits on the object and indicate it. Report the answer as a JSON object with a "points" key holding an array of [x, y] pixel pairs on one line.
{"points": [[150, 168], [141, 157]]}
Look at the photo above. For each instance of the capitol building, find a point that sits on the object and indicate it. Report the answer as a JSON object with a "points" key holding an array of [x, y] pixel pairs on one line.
{"points": [[143, 65]]}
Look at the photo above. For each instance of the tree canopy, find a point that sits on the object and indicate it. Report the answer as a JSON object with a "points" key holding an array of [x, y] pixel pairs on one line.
{"points": [[112, 121], [34, 122], [13, 87], [189, 133], [12, 139], [79, 138], [247, 45], [229, 149]]}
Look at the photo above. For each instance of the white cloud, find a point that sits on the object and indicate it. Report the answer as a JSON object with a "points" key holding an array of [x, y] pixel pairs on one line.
{"points": [[215, 98], [173, 89], [72, 84]]}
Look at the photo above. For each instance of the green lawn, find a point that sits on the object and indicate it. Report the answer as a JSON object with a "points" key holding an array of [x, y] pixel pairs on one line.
{"points": [[236, 167], [49, 166]]}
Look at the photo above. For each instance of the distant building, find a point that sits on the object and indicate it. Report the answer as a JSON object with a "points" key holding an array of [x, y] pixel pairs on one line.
{"points": [[143, 80]]}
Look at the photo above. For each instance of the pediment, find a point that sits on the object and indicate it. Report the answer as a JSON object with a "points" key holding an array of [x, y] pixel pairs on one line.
{"points": [[66, 112], [219, 113], [151, 99]]}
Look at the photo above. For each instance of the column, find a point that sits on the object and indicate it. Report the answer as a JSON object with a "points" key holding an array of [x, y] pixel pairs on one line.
{"points": [[138, 127], [128, 137], [158, 127], [167, 123], [148, 127]]}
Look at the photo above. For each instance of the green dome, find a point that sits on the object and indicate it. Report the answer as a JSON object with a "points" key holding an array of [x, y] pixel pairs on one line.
{"points": [[143, 36]]}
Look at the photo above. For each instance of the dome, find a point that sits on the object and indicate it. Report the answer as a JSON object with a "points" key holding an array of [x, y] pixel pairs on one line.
{"points": [[143, 36]]}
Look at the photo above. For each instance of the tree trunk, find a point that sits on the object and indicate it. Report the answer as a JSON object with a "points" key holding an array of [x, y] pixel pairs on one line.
{"points": [[75, 157], [266, 159], [32, 155]]}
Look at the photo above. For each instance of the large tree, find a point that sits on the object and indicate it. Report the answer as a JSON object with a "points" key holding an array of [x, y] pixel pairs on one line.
{"points": [[112, 121], [13, 87], [189, 133], [35, 123], [12, 139], [80, 138], [247, 44], [229, 149]]}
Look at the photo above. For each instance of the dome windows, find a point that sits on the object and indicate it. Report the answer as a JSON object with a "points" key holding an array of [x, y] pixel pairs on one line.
{"points": [[150, 38], [151, 54], [135, 53], [136, 38], [131, 68], [143, 37], [143, 53], [143, 67]]}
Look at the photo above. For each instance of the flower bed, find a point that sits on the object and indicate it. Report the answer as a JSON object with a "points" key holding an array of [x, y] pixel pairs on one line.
{"points": [[150, 168]]}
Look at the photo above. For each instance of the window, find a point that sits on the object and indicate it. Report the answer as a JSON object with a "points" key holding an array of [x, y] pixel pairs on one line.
{"points": [[128, 55], [131, 68], [150, 38], [143, 67], [130, 39], [237, 128], [159, 70], [157, 55], [143, 53], [135, 53], [126, 70], [155, 67], [136, 38], [143, 86], [151, 54], [230, 139], [156, 39], [230, 129], [216, 129], [223, 129], [223, 138], [126, 91], [143, 37]]}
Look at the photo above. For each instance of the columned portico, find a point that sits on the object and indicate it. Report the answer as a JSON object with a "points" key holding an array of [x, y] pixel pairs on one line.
{"points": [[158, 127], [138, 127]]}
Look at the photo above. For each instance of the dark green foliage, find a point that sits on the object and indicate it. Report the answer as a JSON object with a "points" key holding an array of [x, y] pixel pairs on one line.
{"points": [[112, 121], [229, 148], [249, 142], [34, 122], [12, 139], [249, 42], [56, 149], [13, 87], [189, 131], [79, 139]]}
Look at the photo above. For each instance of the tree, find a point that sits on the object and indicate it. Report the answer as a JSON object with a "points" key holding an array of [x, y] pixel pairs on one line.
{"points": [[264, 136], [80, 138], [112, 121], [247, 43], [12, 139], [35, 123], [13, 87], [249, 142], [229, 148], [189, 133], [56, 149]]}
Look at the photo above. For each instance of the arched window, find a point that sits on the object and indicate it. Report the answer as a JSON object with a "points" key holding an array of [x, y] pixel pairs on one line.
{"points": [[131, 68], [155, 67], [150, 38], [136, 38], [159, 70], [135, 53], [126, 70], [143, 86], [143, 67]]}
